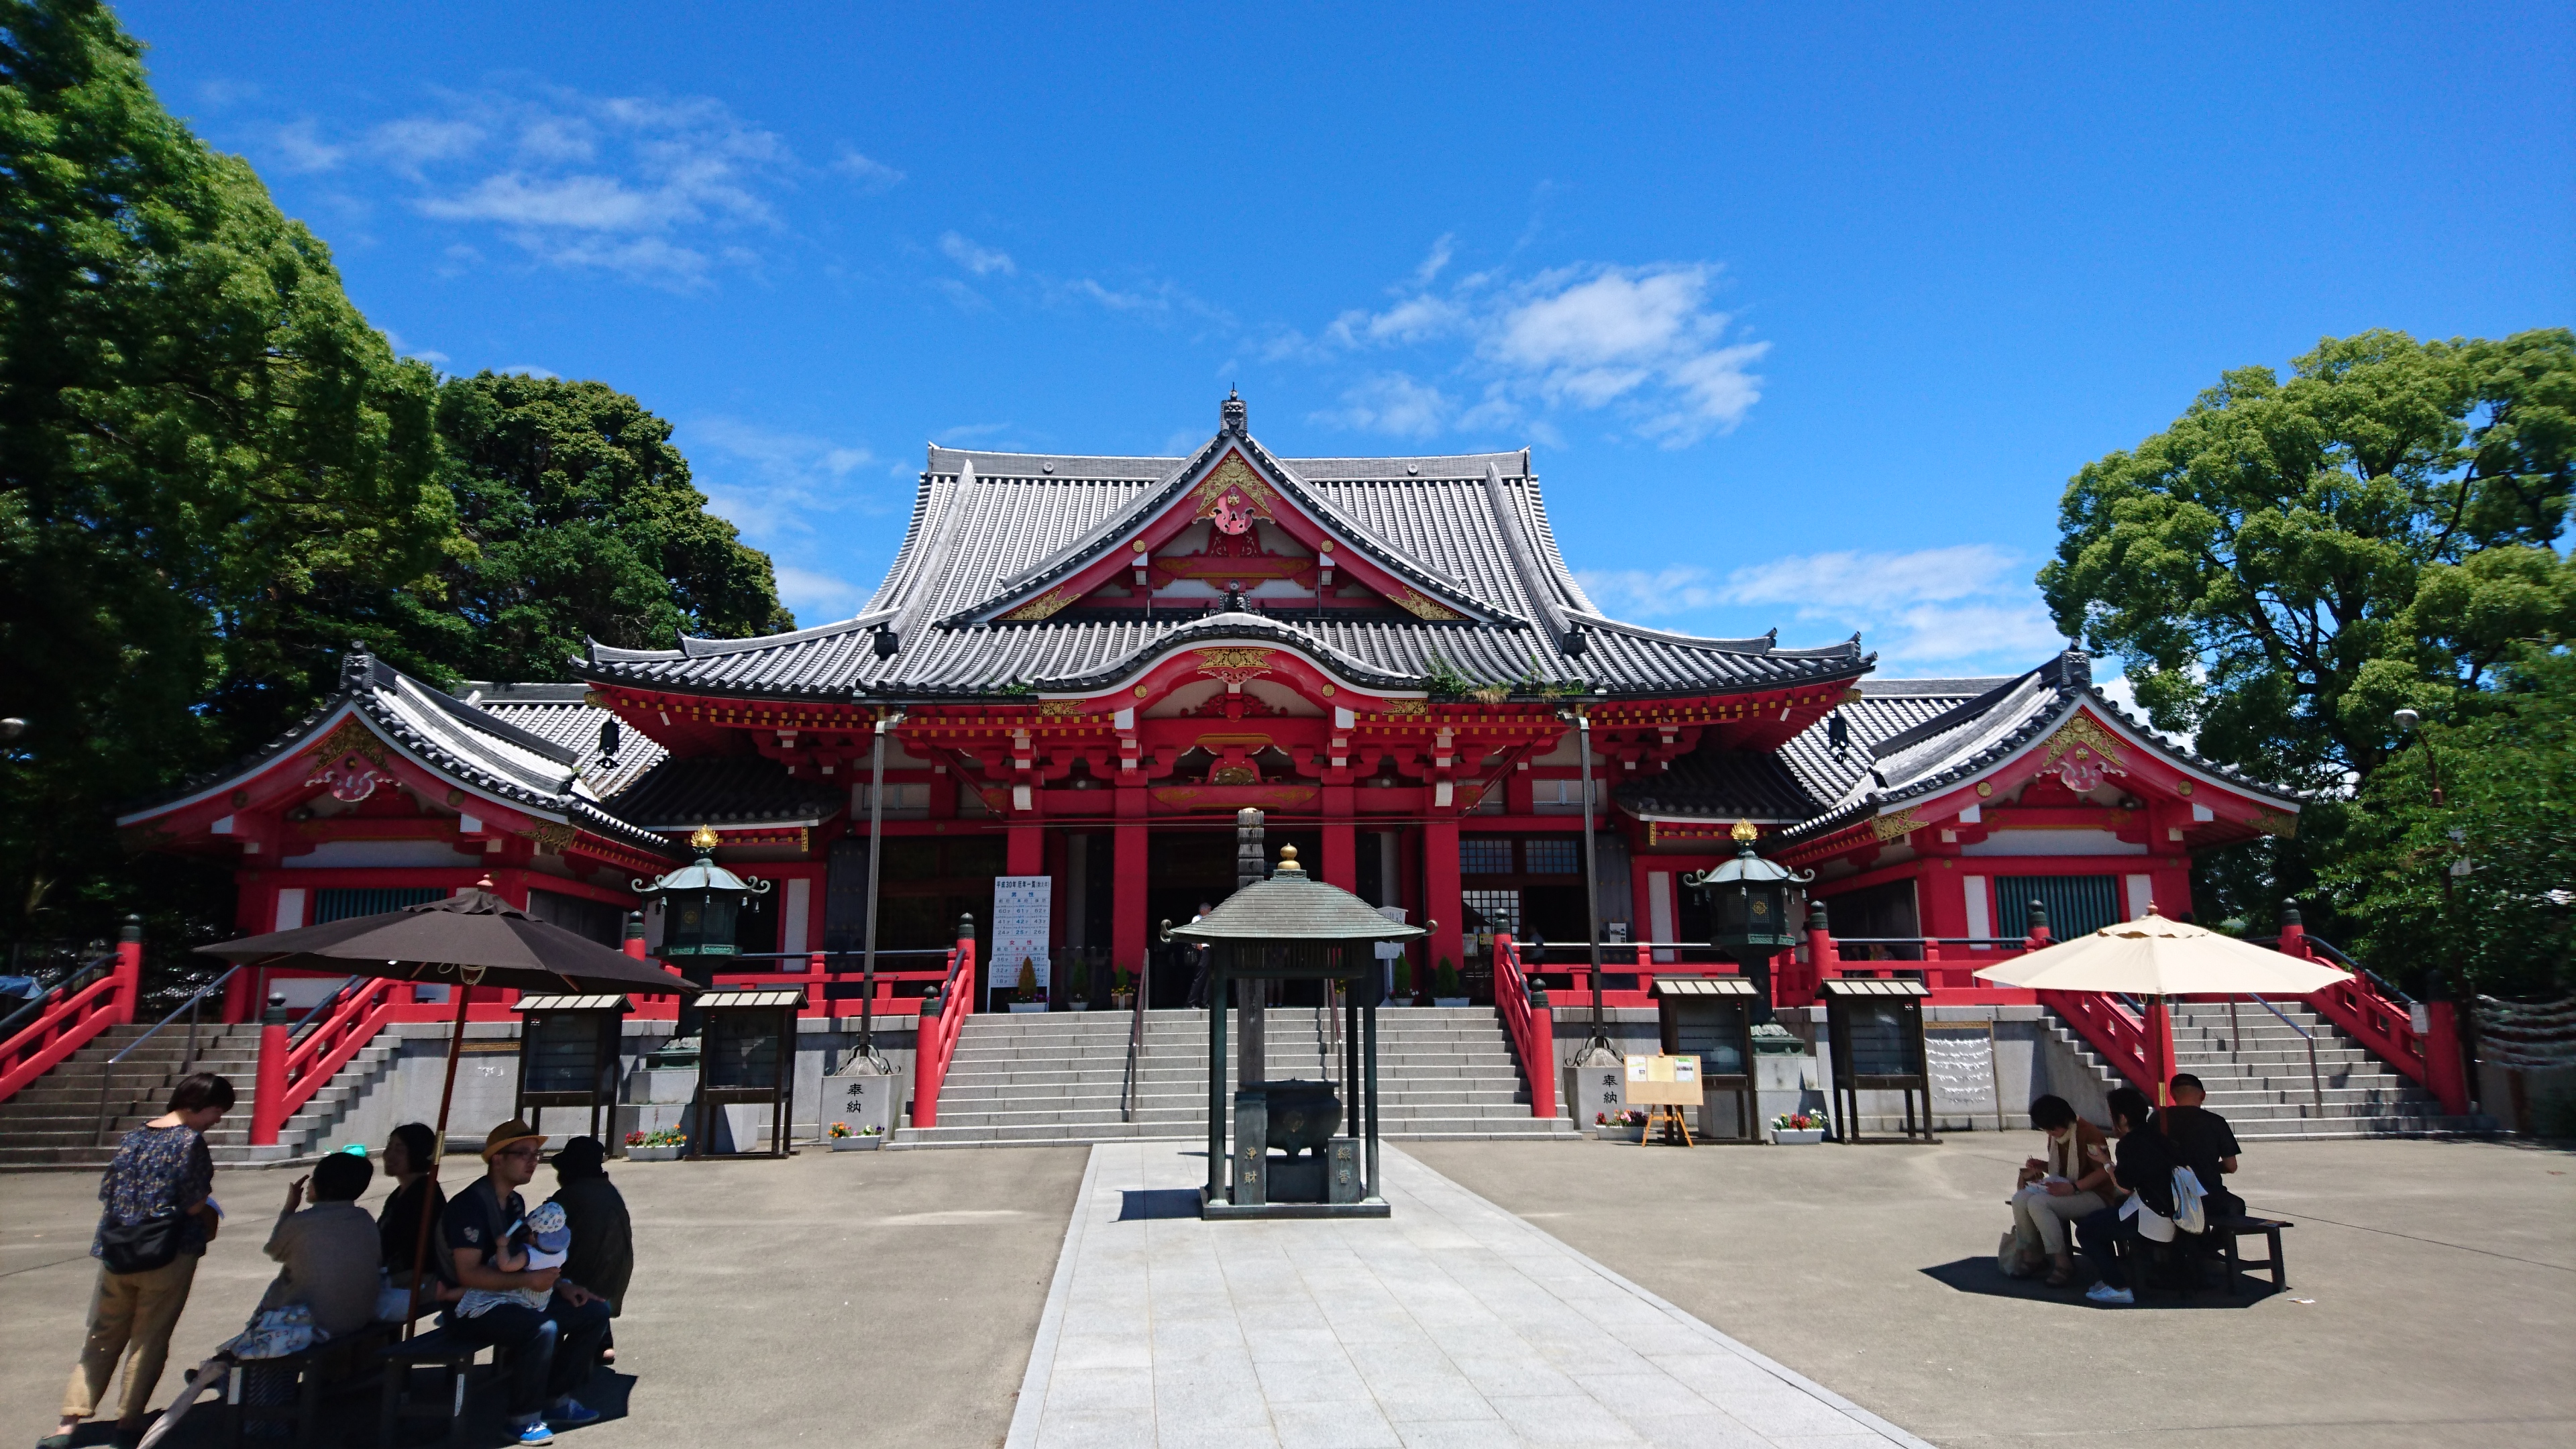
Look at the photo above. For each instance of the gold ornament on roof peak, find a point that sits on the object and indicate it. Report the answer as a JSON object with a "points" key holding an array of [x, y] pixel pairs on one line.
{"points": [[1744, 830], [704, 839]]}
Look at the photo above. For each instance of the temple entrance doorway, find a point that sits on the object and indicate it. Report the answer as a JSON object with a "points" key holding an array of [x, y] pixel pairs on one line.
{"points": [[1187, 863]]}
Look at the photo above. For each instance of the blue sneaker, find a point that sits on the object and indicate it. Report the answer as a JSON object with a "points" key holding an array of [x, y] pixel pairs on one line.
{"points": [[535, 1432], [571, 1413], [2105, 1294]]}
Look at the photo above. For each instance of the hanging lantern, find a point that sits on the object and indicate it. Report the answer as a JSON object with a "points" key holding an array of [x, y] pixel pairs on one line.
{"points": [[701, 903], [1748, 899]]}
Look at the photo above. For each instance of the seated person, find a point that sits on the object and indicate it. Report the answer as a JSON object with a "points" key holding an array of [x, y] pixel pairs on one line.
{"points": [[2204, 1142], [551, 1324], [410, 1153], [2071, 1184], [2143, 1172], [329, 1249], [603, 1236]]}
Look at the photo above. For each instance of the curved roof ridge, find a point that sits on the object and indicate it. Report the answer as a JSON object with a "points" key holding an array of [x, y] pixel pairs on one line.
{"points": [[1767, 644], [1251, 628]]}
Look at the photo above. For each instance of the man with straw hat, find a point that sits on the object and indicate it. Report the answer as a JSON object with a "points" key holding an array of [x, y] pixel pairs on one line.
{"points": [[484, 1236]]}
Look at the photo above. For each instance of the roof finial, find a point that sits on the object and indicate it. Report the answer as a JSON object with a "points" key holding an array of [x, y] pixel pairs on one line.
{"points": [[1233, 412]]}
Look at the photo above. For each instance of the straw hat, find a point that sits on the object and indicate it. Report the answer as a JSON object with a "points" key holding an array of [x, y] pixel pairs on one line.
{"points": [[507, 1133]]}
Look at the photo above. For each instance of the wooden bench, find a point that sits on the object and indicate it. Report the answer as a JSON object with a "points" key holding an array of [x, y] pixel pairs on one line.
{"points": [[2228, 1229], [326, 1366], [437, 1349]]}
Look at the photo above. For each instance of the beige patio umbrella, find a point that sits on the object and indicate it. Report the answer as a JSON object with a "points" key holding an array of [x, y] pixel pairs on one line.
{"points": [[2153, 958]]}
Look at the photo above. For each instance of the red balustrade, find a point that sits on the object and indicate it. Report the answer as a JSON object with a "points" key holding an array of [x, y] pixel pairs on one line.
{"points": [[71, 1019], [291, 1072], [936, 1040], [2432, 1058], [1531, 1027]]}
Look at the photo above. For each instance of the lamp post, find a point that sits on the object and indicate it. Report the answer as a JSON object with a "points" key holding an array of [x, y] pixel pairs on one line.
{"points": [[1748, 901], [1597, 1050], [702, 904]]}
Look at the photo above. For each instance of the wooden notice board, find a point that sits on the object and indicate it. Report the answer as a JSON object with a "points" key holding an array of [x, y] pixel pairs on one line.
{"points": [[1662, 1081]]}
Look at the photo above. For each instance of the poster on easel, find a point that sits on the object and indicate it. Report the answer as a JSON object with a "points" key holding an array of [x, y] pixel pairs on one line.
{"points": [[1023, 906], [1661, 1081]]}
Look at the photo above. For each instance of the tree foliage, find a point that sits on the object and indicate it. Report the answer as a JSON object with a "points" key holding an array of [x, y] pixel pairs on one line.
{"points": [[2508, 776], [2290, 562], [586, 526], [199, 439]]}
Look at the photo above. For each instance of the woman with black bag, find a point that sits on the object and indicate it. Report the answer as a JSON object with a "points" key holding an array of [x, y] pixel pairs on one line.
{"points": [[159, 1214]]}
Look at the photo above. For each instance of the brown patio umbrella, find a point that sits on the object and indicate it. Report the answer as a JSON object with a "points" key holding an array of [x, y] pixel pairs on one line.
{"points": [[467, 940]]}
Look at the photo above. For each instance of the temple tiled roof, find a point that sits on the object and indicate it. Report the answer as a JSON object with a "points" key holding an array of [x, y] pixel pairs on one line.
{"points": [[1720, 785], [1469, 532], [1903, 739], [563, 714], [725, 790]]}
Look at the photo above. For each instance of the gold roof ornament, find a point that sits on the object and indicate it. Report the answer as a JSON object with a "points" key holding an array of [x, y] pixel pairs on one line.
{"points": [[1744, 830], [704, 839]]}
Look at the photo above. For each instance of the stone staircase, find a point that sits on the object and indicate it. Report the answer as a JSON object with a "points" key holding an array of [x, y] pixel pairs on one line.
{"points": [[2257, 1075], [1055, 1077], [54, 1121]]}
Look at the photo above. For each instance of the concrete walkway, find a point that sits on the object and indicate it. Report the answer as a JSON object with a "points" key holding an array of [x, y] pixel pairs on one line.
{"points": [[1453, 1322]]}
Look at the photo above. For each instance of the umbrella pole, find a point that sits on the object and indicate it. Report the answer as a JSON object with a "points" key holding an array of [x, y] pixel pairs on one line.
{"points": [[438, 1149]]}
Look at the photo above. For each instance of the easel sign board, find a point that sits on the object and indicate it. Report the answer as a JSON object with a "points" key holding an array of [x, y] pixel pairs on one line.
{"points": [[1661, 1081]]}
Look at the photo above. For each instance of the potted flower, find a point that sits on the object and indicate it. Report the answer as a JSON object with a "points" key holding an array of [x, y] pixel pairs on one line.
{"points": [[1629, 1124], [661, 1145], [1402, 994], [1803, 1129], [1081, 997], [865, 1139], [1026, 997], [1122, 990], [1446, 989]]}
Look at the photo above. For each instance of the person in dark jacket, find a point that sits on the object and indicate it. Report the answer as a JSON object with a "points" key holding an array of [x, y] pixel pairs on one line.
{"points": [[409, 1154], [2143, 1164], [602, 1256]]}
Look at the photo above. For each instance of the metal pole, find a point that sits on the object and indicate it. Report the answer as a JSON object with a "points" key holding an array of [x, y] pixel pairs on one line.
{"points": [[1216, 1084], [876, 849], [1600, 1042], [1368, 1064]]}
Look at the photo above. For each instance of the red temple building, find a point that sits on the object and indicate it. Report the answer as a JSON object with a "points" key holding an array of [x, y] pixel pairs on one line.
{"points": [[1088, 665]]}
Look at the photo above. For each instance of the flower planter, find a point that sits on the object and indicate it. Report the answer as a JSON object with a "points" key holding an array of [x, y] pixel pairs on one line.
{"points": [[1797, 1136], [856, 1144], [1448, 1001], [1124, 1001], [1624, 1132], [1078, 1006], [1023, 1008], [656, 1154]]}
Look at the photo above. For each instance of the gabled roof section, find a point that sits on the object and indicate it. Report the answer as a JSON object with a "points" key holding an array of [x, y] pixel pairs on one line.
{"points": [[725, 790], [1720, 785], [564, 715], [476, 748], [1904, 739], [991, 531]]}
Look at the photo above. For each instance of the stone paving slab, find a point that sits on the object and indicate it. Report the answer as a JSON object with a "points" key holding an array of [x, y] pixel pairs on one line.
{"points": [[1450, 1323]]}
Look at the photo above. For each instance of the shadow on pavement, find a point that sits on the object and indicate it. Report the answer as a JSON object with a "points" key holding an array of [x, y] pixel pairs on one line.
{"points": [[1979, 1276], [1139, 1204]]}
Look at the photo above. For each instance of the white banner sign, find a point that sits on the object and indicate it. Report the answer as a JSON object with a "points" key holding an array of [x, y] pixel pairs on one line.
{"points": [[1022, 905]]}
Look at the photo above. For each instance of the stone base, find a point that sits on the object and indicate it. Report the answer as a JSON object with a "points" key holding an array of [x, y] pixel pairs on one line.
{"points": [[1218, 1211]]}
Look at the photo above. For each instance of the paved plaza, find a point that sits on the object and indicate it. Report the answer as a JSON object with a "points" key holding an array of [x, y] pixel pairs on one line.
{"points": [[1449, 1323], [1540, 1292]]}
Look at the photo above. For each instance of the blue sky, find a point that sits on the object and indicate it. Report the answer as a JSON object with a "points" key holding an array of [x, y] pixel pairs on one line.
{"points": [[1808, 313]]}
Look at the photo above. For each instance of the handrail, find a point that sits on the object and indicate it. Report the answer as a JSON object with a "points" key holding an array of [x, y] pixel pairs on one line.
{"points": [[936, 1037], [2108, 1027], [70, 1021], [296, 1031], [2386, 987], [107, 1073], [71, 981], [2316, 1083], [1531, 1026], [291, 1071], [1135, 1039]]}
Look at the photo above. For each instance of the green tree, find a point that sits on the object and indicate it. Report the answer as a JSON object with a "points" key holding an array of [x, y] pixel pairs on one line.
{"points": [[586, 526], [203, 447], [2290, 562], [2493, 906]]}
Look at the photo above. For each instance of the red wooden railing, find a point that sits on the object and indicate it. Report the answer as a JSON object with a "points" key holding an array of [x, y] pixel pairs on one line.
{"points": [[1532, 1027], [290, 1072], [70, 1019], [936, 1040], [2432, 1058]]}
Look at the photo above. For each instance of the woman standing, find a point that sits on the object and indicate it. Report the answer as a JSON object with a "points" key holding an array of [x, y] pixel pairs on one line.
{"points": [[409, 1154], [603, 1237], [158, 1215]]}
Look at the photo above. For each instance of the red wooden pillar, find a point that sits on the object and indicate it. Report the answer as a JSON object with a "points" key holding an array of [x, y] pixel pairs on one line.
{"points": [[2445, 1066], [1341, 853], [1128, 926], [1027, 849], [268, 1096], [1441, 901], [2160, 1050], [129, 973]]}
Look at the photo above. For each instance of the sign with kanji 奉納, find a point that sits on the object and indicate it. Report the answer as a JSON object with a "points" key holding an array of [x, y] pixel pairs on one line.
{"points": [[1661, 1081], [1022, 905]]}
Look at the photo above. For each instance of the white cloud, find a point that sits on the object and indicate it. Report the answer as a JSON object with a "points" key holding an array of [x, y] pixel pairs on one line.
{"points": [[1392, 403], [1643, 343], [871, 174], [526, 369], [299, 147], [394, 340], [771, 483], [983, 261], [816, 596], [1964, 608]]}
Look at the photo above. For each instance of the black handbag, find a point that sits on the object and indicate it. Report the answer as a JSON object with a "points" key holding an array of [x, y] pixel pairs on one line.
{"points": [[140, 1247]]}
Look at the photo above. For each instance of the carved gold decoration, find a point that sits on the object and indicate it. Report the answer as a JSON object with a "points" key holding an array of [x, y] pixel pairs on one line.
{"points": [[1896, 826], [704, 838], [2082, 731], [1044, 606], [1234, 775], [2183, 788], [1059, 708], [350, 738], [1407, 707], [1236, 476], [1744, 830], [1985, 790], [1424, 609], [1234, 664], [551, 835]]}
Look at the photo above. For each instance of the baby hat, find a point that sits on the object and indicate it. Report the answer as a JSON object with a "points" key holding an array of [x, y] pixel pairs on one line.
{"points": [[548, 1236]]}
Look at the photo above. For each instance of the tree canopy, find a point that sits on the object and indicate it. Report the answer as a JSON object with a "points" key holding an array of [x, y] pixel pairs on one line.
{"points": [[2291, 561], [586, 526]]}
